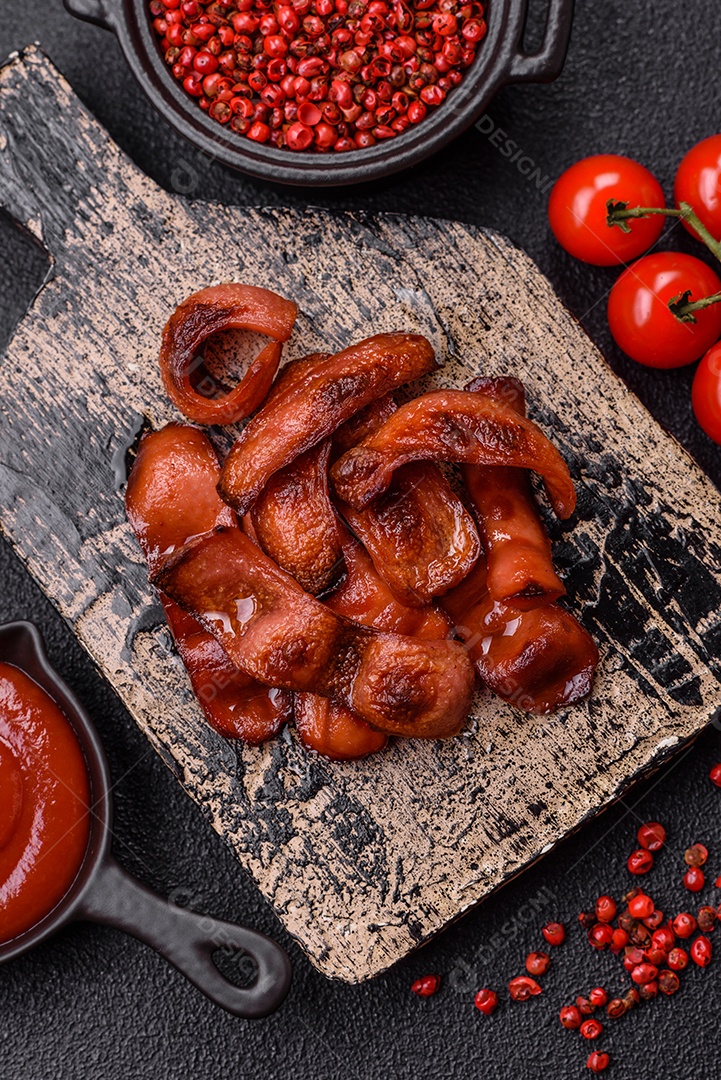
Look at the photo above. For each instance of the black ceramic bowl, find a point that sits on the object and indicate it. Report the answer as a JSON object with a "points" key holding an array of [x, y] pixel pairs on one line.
{"points": [[501, 60], [103, 892]]}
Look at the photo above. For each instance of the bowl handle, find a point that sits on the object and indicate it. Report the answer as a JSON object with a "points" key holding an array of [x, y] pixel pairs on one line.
{"points": [[99, 12], [188, 940], [547, 62]]}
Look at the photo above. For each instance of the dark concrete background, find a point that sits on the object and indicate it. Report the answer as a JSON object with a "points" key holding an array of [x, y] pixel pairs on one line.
{"points": [[640, 79]]}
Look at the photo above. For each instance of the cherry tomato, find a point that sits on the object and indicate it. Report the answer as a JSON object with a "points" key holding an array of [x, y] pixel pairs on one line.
{"points": [[706, 393], [577, 209], [639, 317], [698, 182]]}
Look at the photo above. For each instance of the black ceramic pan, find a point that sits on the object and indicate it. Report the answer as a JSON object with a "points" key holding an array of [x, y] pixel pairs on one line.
{"points": [[103, 892], [501, 60]]}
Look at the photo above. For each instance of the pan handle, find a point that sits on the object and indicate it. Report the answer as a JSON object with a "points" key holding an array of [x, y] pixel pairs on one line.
{"points": [[99, 12], [547, 63], [188, 940]]}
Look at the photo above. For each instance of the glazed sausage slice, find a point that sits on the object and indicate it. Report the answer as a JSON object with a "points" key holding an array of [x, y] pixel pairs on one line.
{"points": [[322, 397], [333, 730], [234, 704], [171, 498], [292, 374], [517, 546], [364, 597], [362, 424], [295, 522], [537, 660], [282, 636], [452, 425], [419, 534], [324, 725], [223, 307], [171, 494], [293, 519]]}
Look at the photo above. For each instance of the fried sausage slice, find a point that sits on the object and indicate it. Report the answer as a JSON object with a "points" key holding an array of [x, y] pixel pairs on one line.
{"points": [[170, 499], [236, 705], [324, 725], [364, 597], [452, 425], [333, 730], [282, 636], [317, 401], [224, 307], [295, 522], [537, 660], [517, 546], [419, 534]]}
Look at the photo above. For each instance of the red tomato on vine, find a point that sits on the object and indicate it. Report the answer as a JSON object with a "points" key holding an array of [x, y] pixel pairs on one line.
{"points": [[641, 321], [577, 209], [698, 183], [706, 393]]}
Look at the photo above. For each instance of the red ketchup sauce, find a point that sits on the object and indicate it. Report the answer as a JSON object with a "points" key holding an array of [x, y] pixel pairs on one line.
{"points": [[44, 803]]}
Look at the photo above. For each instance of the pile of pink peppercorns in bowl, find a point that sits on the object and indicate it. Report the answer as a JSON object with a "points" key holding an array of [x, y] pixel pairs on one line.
{"points": [[654, 947], [318, 75]]}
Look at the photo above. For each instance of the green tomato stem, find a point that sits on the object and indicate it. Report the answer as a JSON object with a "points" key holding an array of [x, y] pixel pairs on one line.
{"points": [[618, 213], [682, 307]]}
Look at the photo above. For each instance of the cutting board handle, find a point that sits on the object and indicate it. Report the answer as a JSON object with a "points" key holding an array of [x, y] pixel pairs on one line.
{"points": [[70, 198]]}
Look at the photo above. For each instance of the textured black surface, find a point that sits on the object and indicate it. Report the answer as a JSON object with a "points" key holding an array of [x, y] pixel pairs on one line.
{"points": [[93, 1004]]}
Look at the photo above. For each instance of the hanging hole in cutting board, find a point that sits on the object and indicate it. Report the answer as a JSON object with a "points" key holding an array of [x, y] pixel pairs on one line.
{"points": [[223, 361], [24, 269], [236, 966]]}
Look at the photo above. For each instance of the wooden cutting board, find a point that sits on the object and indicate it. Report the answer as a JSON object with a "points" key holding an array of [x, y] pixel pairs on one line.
{"points": [[362, 861]]}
